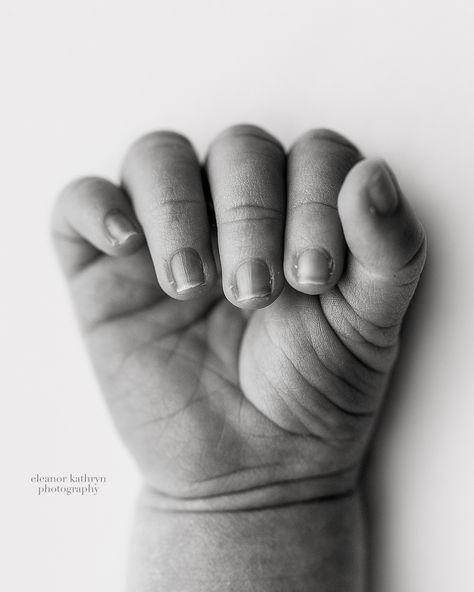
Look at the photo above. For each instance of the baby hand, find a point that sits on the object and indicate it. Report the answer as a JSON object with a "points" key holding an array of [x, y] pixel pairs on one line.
{"points": [[242, 322]]}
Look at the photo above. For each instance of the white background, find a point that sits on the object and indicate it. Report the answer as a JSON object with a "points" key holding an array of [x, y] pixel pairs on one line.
{"points": [[79, 82]]}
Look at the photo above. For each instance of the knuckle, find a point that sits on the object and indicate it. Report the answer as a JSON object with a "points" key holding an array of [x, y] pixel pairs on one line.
{"points": [[85, 184], [245, 135], [73, 193], [81, 186], [319, 135], [157, 141]]}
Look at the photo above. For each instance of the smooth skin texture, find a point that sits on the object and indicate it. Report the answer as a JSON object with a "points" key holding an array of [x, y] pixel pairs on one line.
{"points": [[242, 316]]}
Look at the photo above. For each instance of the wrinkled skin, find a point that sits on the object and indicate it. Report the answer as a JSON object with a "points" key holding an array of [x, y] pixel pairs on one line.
{"points": [[229, 407]]}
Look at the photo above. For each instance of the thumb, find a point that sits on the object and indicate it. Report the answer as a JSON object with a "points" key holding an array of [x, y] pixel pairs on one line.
{"points": [[387, 244]]}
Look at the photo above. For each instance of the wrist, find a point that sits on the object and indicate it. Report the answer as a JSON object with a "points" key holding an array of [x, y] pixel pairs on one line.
{"points": [[316, 545]]}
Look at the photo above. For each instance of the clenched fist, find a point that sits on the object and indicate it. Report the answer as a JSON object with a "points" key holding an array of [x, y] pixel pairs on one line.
{"points": [[242, 316]]}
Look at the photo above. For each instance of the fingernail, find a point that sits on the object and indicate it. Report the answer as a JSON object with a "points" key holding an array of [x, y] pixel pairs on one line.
{"points": [[314, 267], [187, 270], [253, 280], [119, 227], [382, 192]]}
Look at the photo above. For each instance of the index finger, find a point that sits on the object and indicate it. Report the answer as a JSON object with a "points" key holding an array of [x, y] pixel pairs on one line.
{"points": [[161, 173]]}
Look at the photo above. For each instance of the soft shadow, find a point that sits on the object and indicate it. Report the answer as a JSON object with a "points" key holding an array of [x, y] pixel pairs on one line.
{"points": [[394, 399]]}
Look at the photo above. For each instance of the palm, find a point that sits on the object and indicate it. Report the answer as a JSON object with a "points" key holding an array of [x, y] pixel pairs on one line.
{"points": [[171, 373], [218, 405]]}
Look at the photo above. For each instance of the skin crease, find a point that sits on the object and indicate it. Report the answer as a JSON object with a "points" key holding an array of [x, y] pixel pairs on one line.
{"points": [[249, 418], [226, 407]]}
